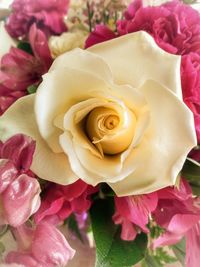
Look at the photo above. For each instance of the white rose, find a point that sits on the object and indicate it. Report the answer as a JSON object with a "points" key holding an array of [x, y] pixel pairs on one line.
{"points": [[66, 42], [7, 40], [112, 113]]}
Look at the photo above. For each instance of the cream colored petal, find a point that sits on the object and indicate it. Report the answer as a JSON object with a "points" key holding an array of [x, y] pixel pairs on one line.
{"points": [[136, 58], [68, 147], [83, 60], [60, 90], [132, 97], [108, 168], [72, 122], [19, 118], [159, 158], [6, 41]]}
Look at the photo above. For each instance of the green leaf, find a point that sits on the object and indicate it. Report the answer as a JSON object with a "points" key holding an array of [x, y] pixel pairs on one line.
{"points": [[179, 251], [25, 47], [191, 171], [111, 251], [32, 89]]}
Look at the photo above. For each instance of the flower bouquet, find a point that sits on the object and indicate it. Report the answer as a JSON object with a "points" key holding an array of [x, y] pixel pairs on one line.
{"points": [[99, 130]]}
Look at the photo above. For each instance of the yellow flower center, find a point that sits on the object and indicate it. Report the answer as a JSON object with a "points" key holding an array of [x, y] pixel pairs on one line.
{"points": [[108, 131]]}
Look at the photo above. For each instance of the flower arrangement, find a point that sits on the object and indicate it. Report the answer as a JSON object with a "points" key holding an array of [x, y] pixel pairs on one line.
{"points": [[99, 130]]}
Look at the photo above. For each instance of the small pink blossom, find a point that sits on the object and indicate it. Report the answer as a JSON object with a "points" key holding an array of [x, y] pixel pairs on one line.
{"points": [[59, 202], [101, 34], [133, 212], [39, 44], [42, 246], [19, 192], [179, 214], [19, 149], [18, 70], [47, 14]]}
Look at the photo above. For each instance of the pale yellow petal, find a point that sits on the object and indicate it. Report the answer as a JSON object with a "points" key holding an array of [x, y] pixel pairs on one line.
{"points": [[83, 60], [66, 140], [60, 90], [135, 57], [19, 118], [164, 147]]}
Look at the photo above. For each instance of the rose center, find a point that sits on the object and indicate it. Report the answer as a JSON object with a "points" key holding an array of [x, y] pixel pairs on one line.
{"points": [[109, 131], [111, 122]]}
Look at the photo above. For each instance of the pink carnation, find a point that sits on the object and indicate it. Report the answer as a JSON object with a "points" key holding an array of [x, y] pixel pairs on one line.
{"points": [[133, 213], [42, 246], [190, 77], [19, 192], [47, 14], [174, 26], [59, 202]]}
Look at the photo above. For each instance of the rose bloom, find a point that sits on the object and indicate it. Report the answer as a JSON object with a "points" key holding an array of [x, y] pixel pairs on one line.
{"points": [[112, 113]]}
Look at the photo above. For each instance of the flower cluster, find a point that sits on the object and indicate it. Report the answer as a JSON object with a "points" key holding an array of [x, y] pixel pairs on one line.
{"points": [[99, 130]]}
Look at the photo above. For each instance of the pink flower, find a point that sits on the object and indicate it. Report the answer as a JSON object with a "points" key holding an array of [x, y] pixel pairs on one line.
{"points": [[179, 213], [47, 14], [19, 149], [59, 202], [39, 44], [133, 212], [193, 246], [43, 246], [174, 26], [101, 34], [19, 70], [190, 77], [19, 193]]}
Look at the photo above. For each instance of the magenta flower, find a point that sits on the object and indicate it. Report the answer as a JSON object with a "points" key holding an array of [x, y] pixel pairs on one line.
{"points": [[190, 77], [20, 69], [43, 246], [39, 45], [19, 192], [101, 34], [179, 214], [59, 202], [47, 14], [133, 213], [174, 26]]}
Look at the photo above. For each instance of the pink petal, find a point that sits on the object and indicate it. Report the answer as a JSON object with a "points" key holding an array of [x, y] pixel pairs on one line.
{"points": [[128, 232], [21, 199], [166, 239], [181, 223], [19, 149], [40, 46], [193, 246], [22, 258], [8, 173], [50, 246], [100, 34]]}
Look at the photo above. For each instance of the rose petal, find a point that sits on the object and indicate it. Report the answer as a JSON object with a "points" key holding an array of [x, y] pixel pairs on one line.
{"points": [[173, 133], [46, 164], [60, 91], [134, 47]]}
